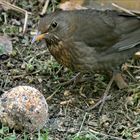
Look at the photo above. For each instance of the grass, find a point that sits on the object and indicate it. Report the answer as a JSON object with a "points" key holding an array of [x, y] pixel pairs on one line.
{"points": [[85, 136], [8, 134], [5, 134], [33, 65]]}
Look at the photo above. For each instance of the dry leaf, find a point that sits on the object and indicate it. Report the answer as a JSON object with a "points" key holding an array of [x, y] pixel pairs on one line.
{"points": [[99, 4], [71, 4]]}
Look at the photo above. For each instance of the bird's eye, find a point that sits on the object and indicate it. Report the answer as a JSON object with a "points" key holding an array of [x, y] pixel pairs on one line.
{"points": [[54, 24]]}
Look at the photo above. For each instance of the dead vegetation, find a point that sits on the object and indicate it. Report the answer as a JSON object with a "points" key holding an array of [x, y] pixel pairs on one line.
{"points": [[68, 116]]}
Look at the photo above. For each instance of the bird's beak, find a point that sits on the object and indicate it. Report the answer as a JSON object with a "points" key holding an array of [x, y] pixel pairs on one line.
{"points": [[39, 37]]}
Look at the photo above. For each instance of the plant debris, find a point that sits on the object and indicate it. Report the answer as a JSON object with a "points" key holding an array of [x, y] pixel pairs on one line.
{"points": [[33, 65]]}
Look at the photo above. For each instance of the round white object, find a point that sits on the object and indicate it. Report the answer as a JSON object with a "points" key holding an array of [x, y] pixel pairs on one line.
{"points": [[23, 108]]}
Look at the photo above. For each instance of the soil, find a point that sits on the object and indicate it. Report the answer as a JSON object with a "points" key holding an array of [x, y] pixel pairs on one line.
{"points": [[69, 117]]}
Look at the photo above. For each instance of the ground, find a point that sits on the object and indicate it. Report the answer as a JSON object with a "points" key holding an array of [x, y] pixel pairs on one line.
{"points": [[69, 117]]}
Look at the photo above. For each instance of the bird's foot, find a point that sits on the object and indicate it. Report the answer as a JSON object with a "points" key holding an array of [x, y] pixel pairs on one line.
{"points": [[104, 98], [101, 103], [120, 81]]}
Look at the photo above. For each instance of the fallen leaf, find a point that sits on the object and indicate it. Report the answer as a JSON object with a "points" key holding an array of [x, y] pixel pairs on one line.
{"points": [[133, 5], [71, 4]]}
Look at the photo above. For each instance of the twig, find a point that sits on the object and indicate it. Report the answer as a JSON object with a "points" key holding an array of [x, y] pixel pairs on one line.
{"points": [[110, 127], [18, 76], [5, 18], [131, 75], [131, 66], [123, 9], [102, 134], [25, 22], [59, 70], [82, 122], [67, 101], [136, 12], [50, 97], [73, 80], [18, 9], [45, 7]]}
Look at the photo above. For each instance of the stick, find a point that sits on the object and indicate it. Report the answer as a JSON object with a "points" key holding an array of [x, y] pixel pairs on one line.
{"points": [[25, 22], [102, 134], [16, 8], [45, 7], [123, 9], [82, 123], [50, 97]]}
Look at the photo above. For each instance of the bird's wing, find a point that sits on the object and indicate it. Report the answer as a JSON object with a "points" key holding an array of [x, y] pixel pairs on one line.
{"points": [[102, 30], [126, 42]]}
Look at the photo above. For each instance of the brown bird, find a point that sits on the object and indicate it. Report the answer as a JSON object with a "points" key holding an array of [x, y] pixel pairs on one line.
{"points": [[91, 40]]}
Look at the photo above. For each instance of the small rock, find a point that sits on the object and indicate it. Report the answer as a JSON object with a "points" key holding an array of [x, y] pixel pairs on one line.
{"points": [[5, 46]]}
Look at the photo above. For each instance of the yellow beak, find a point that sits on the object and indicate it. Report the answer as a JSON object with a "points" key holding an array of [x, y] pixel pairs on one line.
{"points": [[38, 37]]}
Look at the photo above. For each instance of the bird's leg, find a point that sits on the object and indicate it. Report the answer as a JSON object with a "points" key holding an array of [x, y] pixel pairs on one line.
{"points": [[73, 80], [104, 98], [117, 77]]}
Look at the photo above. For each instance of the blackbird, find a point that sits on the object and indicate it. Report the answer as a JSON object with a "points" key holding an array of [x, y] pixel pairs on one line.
{"points": [[91, 40]]}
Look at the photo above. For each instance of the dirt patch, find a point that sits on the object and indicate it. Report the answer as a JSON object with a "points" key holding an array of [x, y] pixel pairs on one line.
{"points": [[32, 64]]}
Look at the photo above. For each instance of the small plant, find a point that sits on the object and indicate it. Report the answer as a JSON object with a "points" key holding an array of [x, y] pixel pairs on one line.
{"points": [[5, 134]]}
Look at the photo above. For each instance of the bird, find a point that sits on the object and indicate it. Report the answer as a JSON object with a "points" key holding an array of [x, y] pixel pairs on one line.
{"points": [[90, 40]]}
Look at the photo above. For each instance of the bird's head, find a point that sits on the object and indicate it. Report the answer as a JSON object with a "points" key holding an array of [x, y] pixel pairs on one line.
{"points": [[56, 26]]}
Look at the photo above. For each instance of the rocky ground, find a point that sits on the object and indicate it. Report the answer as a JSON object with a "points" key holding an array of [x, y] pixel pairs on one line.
{"points": [[69, 117]]}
